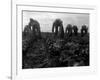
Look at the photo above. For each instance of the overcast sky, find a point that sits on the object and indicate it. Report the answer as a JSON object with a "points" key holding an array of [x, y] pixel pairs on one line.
{"points": [[46, 19]]}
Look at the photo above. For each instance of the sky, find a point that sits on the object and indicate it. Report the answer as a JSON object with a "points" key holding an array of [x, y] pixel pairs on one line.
{"points": [[46, 19]]}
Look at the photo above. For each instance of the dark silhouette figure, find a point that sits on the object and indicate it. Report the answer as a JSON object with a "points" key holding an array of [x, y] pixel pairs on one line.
{"points": [[31, 33], [58, 27], [35, 27], [84, 30], [69, 30], [75, 30], [27, 30]]}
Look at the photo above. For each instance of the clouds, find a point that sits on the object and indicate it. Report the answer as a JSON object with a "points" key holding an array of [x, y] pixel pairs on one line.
{"points": [[46, 19]]}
